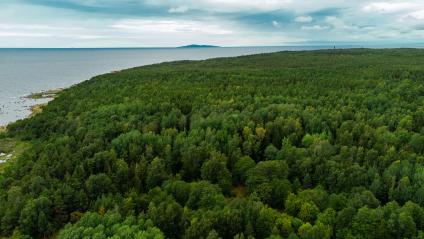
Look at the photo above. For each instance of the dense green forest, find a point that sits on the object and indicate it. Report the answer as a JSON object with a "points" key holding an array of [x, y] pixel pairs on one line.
{"points": [[310, 145]]}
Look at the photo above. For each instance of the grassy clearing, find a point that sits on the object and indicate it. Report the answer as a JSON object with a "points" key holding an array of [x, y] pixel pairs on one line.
{"points": [[10, 149], [36, 109]]}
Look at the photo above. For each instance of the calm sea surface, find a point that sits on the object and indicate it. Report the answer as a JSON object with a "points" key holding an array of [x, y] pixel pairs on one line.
{"points": [[25, 71]]}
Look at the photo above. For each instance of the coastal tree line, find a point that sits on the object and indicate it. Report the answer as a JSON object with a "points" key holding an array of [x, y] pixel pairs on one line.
{"points": [[320, 144]]}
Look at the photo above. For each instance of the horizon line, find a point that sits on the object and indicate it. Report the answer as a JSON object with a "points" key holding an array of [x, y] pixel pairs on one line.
{"points": [[359, 45]]}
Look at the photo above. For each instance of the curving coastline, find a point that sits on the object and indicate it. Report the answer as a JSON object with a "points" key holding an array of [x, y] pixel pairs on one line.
{"points": [[66, 67]]}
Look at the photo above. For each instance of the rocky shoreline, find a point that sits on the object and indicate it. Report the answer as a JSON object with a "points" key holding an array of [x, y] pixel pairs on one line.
{"points": [[44, 94], [48, 94], [37, 108]]}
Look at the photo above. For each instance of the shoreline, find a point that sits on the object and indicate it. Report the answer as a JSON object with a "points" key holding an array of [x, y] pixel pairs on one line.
{"points": [[36, 108], [45, 94]]}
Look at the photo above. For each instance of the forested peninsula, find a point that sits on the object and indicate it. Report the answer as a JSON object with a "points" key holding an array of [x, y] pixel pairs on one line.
{"points": [[301, 145]]}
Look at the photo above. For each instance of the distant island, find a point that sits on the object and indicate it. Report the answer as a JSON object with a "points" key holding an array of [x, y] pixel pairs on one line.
{"points": [[197, 46]]}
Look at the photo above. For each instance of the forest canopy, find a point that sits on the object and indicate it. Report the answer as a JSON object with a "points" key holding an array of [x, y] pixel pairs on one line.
{"points": [[308, 145]]}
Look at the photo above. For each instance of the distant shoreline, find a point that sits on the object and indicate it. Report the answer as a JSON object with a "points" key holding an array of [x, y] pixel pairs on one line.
{"points": [[198, 46]]}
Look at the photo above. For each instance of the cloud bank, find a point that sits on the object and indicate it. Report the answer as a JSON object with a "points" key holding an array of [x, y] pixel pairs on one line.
{"points": [[160, 23]]}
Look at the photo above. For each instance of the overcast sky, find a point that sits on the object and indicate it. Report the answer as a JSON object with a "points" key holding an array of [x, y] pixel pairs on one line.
{"points": [[149, 23]]}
